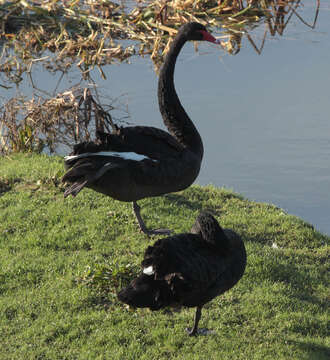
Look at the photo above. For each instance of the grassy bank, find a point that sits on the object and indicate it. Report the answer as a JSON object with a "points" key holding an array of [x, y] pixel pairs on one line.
{"points": [[62, 262]]}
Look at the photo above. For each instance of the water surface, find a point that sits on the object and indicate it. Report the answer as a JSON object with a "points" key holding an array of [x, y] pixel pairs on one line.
{"points": [[264, 119]]}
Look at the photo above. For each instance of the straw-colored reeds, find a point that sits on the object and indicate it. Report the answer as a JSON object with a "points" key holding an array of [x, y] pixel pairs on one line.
{"points": [[70, 117], [92, 33]]}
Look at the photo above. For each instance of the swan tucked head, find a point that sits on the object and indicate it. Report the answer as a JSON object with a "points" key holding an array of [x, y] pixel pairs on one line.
{"points": [[197, 32]]}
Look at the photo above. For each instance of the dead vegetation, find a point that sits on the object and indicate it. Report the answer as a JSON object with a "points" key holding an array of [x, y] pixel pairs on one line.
{"points": [[93, 33], [70, 117]]}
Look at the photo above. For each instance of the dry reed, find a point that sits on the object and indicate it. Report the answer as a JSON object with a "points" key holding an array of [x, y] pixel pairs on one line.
{"points": [[70, 117], [92, 33]]}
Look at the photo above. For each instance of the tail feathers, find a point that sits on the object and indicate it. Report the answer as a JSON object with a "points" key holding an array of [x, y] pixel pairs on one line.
{"points": [[210, 231], [77, 171], [77, 177], [75, 188]]}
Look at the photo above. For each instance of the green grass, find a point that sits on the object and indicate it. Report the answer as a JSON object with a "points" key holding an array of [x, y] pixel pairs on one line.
{"points": [[62, 262]]}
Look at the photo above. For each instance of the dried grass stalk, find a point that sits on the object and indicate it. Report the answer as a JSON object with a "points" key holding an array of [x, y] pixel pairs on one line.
{"points": [[90, 33], [70, 117]]}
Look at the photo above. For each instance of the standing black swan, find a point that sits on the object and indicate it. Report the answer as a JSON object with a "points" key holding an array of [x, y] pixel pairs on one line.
{"points": [[136, 162], [188, 269]]}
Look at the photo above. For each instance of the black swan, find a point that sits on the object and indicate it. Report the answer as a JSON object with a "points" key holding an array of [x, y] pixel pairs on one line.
{"points": [[136, 162], [188, 269]]}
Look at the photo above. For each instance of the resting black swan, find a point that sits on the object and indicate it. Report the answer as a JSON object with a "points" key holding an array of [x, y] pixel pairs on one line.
{"points": [[136, 162], [188, 269]]}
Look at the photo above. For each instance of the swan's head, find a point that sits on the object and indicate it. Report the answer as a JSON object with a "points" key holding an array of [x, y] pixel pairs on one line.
{"points": [[197, 32]]}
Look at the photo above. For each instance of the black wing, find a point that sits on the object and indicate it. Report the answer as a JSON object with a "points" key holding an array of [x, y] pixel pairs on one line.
{"points": [[188, 264], [149, 141]]}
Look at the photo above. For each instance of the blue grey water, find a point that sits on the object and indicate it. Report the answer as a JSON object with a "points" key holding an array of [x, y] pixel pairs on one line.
{"points": [[264, 119]]}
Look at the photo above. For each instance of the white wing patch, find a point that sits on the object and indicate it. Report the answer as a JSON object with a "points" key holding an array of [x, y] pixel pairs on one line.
{"points": [[149, 270], [123, 155]]}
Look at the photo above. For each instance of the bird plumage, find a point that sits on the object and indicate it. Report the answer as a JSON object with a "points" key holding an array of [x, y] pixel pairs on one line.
{"points": [[144, 161], [188, 269]]}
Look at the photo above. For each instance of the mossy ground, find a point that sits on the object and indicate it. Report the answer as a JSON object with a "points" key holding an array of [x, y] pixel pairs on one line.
{"points": [[63, 260]]}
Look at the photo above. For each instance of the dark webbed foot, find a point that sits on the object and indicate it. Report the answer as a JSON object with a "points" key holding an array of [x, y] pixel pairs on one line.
{"points": [[142, 225], [191, 332], [200, 331]]}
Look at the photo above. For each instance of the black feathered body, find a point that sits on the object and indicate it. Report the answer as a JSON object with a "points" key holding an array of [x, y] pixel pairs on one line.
{"points": [[168, 166], [170, 161], [188, 269]]}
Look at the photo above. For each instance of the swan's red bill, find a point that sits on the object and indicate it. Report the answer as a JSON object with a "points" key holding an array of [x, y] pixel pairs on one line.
{"points": [[208, 37], [134, 162]]}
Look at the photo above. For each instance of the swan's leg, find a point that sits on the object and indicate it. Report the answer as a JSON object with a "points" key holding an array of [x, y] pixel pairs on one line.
{"points": [[142, 225], [198, 314]]}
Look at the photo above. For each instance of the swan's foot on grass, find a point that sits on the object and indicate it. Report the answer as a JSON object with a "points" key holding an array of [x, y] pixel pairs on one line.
{"points": [[142, 225], [200, 331]]}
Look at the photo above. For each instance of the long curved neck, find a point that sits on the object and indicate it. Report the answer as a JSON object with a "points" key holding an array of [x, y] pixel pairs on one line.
{"points": [[174, 116]]}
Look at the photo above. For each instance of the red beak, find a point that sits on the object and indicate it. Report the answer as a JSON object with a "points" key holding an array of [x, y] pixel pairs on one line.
{"points": [[208, 37]]}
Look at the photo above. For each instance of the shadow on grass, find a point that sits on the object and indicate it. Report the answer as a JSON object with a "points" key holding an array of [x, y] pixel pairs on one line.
{"points": [[4, 186], [314, 351], [194, 205], [301, 282], [199, 196]]}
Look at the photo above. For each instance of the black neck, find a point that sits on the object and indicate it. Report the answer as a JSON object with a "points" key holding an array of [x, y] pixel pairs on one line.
{"points": [[174, 116]]}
